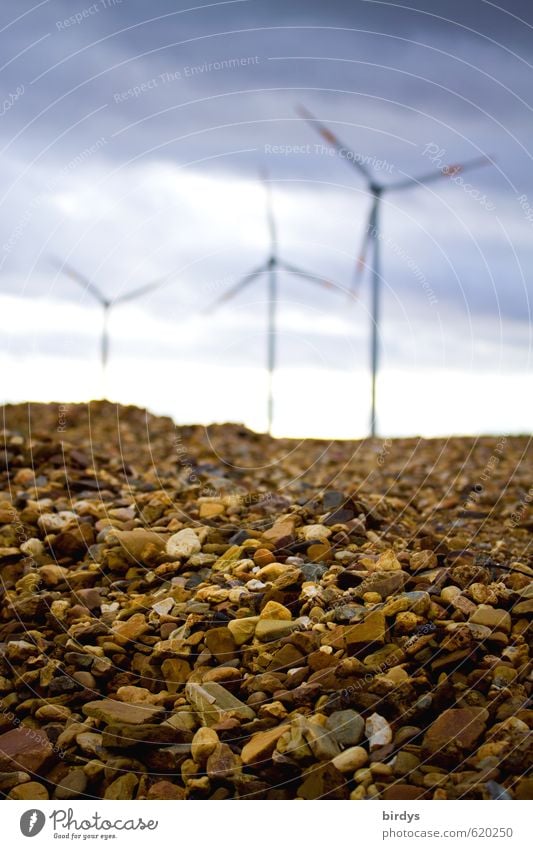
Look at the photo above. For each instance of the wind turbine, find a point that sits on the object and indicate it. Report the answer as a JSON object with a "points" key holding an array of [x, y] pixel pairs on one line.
{"points": [[107, 303], [371, 237], [270, 267]]}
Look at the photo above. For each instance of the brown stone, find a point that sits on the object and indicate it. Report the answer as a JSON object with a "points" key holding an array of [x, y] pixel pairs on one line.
{"points": [[26, 749], [111, 711], [165, 790], [372, 630], [402, 791], [454, 735], [221, 644], [122, 788], [260, 746]]}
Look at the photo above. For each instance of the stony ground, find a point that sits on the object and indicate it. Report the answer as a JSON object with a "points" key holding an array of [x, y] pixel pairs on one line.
{"points": [[216, 614]]}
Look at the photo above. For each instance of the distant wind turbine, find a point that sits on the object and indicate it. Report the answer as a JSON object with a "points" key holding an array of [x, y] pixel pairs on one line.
{"points": [[271, 267], [107, 303], [371, 237]]}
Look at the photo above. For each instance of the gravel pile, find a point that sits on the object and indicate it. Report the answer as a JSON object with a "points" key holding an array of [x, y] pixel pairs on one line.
{"points": [[191, 613]]}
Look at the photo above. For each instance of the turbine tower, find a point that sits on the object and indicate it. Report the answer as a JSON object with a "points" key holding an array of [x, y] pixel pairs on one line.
{"points": [[107, 303], [371, 237], [271, 268]]}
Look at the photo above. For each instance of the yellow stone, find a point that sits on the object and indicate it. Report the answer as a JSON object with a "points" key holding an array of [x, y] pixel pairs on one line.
{"points": [[243, 629], [388, 561], [210, 510], [275, 610]]}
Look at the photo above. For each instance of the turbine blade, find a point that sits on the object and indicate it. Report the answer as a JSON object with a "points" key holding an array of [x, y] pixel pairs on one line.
{"points": [[271, 221], [446, 171], [351, 157], [143, 290], [361, 259], [314, 278], [234, 290], [79, 278]]}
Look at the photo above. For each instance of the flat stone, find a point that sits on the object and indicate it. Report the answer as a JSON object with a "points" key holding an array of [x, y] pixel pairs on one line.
{"points": [[268, 630], [493, 617], [165, 790], [402, 792], [385, 583], [26, 749], [454, 734], [214, 703], [123, 735], [111, 711], [140, 545], [260, 746], [131, 629], [372, 630]]}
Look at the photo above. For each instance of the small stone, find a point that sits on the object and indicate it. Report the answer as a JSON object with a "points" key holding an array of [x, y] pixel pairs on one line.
{"points": [[388, 562], [33, 547], [165, 790], [221, 763], [378, 731], [274, 610], [372, 630], [53, 713], [183, 544], [347, 726], [130, 630], [263, 557], [122, 788], [351, 759], [30, 790], [385, 583], [52, 523], [72, 786], [312, 533], [221, 644], [260, 746], [211, 509], [203, 743], [163, 608]]}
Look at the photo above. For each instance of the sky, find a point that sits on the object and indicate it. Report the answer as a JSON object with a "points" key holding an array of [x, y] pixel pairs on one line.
{"points": [[133, 136]]}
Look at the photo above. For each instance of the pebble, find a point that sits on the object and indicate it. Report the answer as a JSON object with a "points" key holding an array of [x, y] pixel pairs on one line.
{"points": [[183, 544], [351, 759], [378, 731], [347, 726]]}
